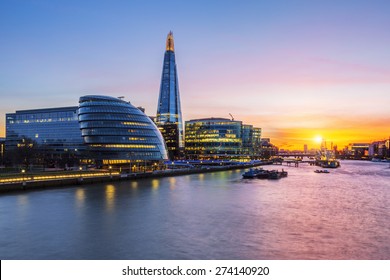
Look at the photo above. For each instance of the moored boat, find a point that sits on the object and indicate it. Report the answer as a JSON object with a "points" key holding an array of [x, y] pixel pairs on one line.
{"points": [[250, 174], [274, 174], [321, 171], [264, 174]]}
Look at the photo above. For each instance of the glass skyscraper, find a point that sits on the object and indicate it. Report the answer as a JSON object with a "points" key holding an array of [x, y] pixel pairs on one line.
{"points": [[169, 117]]}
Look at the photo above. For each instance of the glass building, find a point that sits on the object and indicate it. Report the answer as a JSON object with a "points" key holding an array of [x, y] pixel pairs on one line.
{"points": [[213, 138], [247, 139], [169, 117], [256, 142], [220, 138], [116, 132], [53, 132]]}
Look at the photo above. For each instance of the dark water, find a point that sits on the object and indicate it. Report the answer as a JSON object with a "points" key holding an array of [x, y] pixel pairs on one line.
{"points": [[341, 215]]}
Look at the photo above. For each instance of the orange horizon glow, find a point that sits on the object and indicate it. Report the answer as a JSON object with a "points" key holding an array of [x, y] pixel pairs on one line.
{"points": [[337, 130]]}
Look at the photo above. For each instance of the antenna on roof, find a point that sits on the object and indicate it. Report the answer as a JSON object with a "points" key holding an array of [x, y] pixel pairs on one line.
{"points": [[231, 116], [121, 97]]}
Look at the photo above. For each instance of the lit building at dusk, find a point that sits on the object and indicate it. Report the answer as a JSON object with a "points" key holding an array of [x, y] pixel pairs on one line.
{"points": [[251, 140], [169, 117], [356, 151], [220, 138], [379, 149], [267, 149], [53, 135], [116, 132], [102, 130]]}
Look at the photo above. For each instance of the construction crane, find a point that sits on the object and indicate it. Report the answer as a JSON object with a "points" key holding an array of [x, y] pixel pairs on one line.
{"points": [[231, 116]]}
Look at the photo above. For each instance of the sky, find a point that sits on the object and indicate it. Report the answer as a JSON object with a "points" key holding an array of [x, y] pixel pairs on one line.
{"points": [[297, 69]]}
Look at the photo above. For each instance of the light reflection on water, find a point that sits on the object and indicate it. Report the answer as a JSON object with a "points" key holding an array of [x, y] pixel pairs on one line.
{"points": [[110, 197], [341, 215]]}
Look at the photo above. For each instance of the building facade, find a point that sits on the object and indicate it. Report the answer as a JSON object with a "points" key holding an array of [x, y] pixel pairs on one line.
{"points": [[379, 149], [256, 142], [116, 132], [356, 151], [213, 138], [49, 137], [247, 139], [220, 138], [169, 116]]}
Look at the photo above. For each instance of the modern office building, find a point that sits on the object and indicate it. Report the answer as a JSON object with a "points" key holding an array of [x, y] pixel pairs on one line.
{"points": [[213, 138], [356, 150], [104, 130], [251, 140], [220, 138], [116, 132], [169, 117], [247, 139], [53, 133], [379, 149], [256, 142]]}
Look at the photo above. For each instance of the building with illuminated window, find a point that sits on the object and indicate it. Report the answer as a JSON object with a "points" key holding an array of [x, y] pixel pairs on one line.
{"points": [[220, 138], [256, 142], [116, 132], [213, 138], [169, 117], [52, 133], [247, 135]]}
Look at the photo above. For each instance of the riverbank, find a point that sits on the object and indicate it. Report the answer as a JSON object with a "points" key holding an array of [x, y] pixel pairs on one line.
{"points": [[52, 180]]}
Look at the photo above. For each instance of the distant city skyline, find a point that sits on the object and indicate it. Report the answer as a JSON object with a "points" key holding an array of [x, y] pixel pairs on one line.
{"points": [[298, 69]]}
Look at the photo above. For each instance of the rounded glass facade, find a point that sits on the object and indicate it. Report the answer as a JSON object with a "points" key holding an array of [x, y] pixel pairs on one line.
{"points": [[115, 130]]}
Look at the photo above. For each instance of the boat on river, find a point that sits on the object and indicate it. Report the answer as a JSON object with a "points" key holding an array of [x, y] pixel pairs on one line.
{"points": [[321, 171], [252, 173], [264, 174]]}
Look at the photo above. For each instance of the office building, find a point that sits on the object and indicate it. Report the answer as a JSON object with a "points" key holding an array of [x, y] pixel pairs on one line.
{"points": [[116, 132], [256, 142], [169, 117], [379, 149], [220, 138], [247, 141], [213, 138], [49, 137]]}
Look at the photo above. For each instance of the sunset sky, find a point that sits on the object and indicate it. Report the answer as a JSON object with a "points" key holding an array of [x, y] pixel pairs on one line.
{"points": [[298, 69]]}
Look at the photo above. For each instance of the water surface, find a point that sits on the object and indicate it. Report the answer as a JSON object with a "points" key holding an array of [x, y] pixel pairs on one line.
{"points": [[341, 215]]}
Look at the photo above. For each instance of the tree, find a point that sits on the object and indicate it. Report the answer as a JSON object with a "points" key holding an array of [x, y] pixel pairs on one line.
{"points": [[24, 154]]}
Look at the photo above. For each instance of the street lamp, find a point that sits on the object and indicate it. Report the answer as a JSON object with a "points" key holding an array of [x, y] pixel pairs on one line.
{"points": [[23, 171], [110, 168], [81, 169]]}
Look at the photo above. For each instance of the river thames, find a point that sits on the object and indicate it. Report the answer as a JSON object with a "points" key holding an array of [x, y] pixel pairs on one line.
{"points": [[341, 215]]}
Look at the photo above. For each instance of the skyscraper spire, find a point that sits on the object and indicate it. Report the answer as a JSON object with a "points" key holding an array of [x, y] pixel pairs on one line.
{"points": [[170, 45], [169, 118]]}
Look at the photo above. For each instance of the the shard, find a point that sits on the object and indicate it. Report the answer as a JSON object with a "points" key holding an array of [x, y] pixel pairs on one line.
{"points": [[169, 118]]}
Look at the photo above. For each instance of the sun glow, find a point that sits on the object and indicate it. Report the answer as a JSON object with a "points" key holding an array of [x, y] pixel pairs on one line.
{"points": [[318, 139]]}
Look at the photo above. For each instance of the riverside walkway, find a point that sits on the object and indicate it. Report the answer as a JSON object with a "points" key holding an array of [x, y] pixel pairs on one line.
{"points": [[42, 180]]}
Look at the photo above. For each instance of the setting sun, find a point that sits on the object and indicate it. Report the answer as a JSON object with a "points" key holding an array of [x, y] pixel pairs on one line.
{"points": [[318, 139]]}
